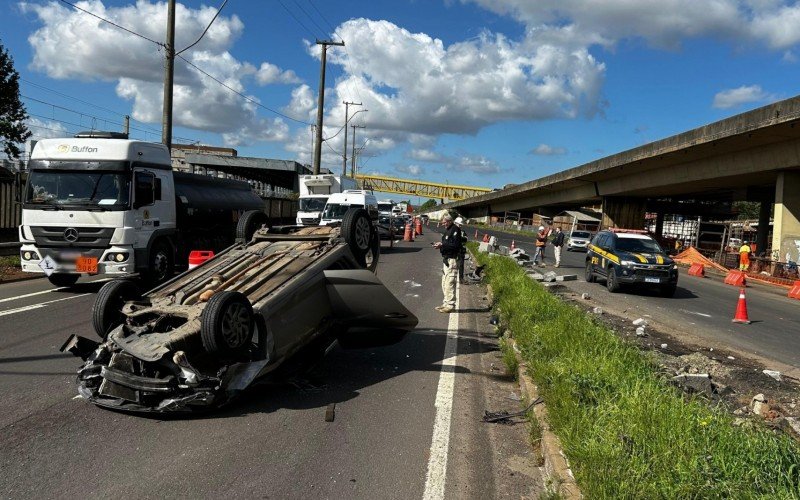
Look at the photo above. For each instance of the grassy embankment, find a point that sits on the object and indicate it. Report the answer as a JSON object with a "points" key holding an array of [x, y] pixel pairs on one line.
{"points": [[626, 431]]}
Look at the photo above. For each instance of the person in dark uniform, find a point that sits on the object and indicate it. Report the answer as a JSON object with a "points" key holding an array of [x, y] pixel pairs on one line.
{"points": [[450, 247], [463, 254]]}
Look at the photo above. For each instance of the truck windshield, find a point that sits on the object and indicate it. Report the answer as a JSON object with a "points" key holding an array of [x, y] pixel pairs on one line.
{"points": [[312, 204], [53, 188], [336, 211]]}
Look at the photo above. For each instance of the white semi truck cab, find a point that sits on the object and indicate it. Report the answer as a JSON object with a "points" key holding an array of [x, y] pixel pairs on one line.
{"points": [[99, 203], [314, 193]]}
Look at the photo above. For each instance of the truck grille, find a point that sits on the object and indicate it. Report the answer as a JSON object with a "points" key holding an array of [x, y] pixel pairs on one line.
{"points": [[84, 237], [654, 273]]}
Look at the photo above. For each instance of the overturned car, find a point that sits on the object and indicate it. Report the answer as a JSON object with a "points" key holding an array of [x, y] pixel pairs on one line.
{"points": [[199, 340]]}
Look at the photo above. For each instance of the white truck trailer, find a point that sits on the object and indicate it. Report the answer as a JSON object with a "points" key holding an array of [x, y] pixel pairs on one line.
{"points": [[99, 203], [314, 193]]}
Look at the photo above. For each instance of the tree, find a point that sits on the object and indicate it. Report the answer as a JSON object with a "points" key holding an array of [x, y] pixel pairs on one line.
{"points": [[427, 205], [13, 130], [747, 209]]}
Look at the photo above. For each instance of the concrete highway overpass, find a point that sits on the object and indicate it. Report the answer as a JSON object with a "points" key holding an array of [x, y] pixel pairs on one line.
{"points": [[754, 156]]}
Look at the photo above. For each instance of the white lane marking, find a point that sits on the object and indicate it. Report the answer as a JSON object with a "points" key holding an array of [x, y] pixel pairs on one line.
{"points": [[697, 313], [440, 443], [8, 299], [39, 306]]}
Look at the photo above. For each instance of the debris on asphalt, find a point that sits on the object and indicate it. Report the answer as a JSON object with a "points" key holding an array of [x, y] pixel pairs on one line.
{"points": [[504, 417], [640, 332], [330, 412], [586, 296], [759, 405], [597, 310], [663, 346], [774, 374], [640, 322]]}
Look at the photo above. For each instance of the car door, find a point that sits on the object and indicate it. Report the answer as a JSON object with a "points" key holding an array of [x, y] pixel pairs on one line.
{"points": [[598, 260]]}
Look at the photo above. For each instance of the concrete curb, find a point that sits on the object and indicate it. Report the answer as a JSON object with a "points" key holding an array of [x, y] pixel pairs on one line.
{"points": [[556, 468]]}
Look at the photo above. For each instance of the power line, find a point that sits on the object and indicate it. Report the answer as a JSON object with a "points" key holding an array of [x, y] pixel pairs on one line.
{"points": [[112, 23], [320, 15], [321, 29], [249, 99], [310, 32], [205, 30]]}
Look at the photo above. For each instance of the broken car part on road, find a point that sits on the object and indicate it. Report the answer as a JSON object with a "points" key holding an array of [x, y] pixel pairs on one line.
{"points": [[200, 339]]}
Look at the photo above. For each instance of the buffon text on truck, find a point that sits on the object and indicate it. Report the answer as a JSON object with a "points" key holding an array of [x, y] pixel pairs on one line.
{"points": [[99, 203]]}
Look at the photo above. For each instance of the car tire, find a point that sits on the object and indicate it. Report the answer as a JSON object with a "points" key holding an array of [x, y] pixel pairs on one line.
{"points": [[373, 254], [611, 280], [359, 234], [107, 308], [63, 279], [226, 324], [668, 290], [160, 264], [589, 274], [249, 223]]}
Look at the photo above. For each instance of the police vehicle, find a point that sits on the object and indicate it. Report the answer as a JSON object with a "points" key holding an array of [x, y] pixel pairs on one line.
{"points": [[624, 257]]}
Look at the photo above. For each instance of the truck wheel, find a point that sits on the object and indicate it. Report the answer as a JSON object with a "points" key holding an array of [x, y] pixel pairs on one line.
{"points": [[161, 264], [611, 280], [249, 223], [589, 273], [63, 279], [226, 324], [107, 308], [358, 233]]}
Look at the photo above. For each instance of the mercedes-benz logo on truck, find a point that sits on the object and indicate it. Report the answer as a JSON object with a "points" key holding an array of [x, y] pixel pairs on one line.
{"points": [[71, 234]]}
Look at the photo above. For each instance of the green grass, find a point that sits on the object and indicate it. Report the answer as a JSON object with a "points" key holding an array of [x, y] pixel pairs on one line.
{"points": [[12, 261], [509, 357], [627, 433]]}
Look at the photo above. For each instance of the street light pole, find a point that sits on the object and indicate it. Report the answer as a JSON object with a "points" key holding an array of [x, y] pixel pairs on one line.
{"points": [[344, 150]]}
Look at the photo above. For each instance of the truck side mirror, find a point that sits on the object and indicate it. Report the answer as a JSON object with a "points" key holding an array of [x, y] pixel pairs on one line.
{"points": [[144, 189]]}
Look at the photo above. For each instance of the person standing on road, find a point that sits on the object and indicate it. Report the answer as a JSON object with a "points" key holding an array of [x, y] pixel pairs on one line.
{"points": [[558, 243], [462, 255], [450, 247], [541, 241], [744, 256]]}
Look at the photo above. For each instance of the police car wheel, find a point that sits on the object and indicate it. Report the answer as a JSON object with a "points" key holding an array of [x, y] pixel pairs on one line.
{"points": [[589, 274], [611, 281], [668, 290]]}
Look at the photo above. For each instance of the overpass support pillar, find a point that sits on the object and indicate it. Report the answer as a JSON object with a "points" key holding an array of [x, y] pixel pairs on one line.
{"points": [[626, 212], [786, 219], [659, 223], [764, 213]]}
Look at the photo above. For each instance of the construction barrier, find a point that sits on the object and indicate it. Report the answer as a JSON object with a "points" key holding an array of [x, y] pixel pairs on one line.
{"points": [[197, 257], [794, 293], [698, 270], [418, 226], [409, 234], [735, 278], [741, 310]]}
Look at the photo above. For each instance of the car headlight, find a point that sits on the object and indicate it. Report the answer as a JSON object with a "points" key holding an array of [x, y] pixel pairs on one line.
{"points": [[674, 267], [626, 263]]}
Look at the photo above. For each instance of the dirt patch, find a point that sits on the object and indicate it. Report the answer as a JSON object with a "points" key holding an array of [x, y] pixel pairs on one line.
{"points": [[738, 378], [11, 272]]}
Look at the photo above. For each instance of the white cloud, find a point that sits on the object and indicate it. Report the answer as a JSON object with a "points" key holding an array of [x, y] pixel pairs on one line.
{"points": [[745, 94], [547, 150], [71, 44], [45, 129], [663, 23], [303, 103], [475, 164], [269, 73], [426, 155], [413, 170]]}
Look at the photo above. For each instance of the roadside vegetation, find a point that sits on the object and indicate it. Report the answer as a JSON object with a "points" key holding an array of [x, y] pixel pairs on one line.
{"points": [[626, 431]]}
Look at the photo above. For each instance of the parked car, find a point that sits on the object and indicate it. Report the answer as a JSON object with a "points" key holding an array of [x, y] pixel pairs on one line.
{"points": [[387, 230], [630, 258], [200, 339], [578, 240]]}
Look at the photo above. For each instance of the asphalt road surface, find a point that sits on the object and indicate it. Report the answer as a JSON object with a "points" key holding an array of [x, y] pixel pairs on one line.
{"points": [[408, 417], [702, 308]]}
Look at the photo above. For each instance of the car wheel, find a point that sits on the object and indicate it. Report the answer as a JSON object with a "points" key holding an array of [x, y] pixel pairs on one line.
{"points": [[249, 223], [589, 274], [63, 279], [611, 280], [358, 233], [161, 265], [373, 254], [668, 290], [226, 324], [107, 308]]}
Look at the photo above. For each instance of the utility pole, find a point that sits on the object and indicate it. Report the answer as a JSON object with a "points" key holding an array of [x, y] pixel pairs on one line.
{"points": [[344, 149], [126, 124], [353, 165], [169, 72], [320, 102]]}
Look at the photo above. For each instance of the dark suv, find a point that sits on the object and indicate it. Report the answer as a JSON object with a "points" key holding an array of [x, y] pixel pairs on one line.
{"points": [[630, 257]]}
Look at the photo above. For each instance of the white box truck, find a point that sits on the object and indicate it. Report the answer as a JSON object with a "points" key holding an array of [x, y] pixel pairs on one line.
{"points": [[314, 193], [99, 203]]}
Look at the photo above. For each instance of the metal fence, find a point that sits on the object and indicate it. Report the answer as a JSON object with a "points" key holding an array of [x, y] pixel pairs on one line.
{"points": [[10, 213]]}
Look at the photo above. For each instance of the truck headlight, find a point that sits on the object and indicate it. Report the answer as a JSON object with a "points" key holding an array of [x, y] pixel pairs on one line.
{"points": [[30, 255], [117, 256]]}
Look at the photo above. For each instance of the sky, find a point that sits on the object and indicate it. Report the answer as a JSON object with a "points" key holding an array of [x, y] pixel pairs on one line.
{"points": [[471, 92]]}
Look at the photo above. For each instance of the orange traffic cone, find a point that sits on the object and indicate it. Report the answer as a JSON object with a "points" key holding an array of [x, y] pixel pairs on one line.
{"points": [[513, 246], [486, 238], [741, 310]]}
